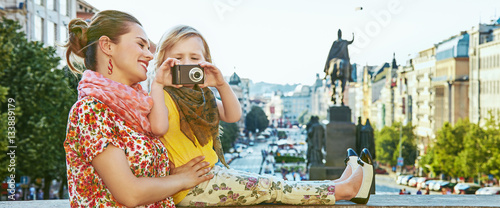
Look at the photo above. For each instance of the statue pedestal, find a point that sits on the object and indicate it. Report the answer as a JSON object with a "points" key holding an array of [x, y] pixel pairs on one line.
{"points": [[340, 135], [340, 114], [321, 172], [317, 172]]}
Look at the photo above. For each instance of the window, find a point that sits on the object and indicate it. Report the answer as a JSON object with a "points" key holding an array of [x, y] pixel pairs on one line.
{"points": [[63, 7], [39, 2], [51, 33], [38, 28], [63, 34], [51, 5]]}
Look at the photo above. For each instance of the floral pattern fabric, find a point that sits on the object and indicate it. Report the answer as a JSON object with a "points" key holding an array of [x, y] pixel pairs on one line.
{"points": [[233, 188], [92, 126]]}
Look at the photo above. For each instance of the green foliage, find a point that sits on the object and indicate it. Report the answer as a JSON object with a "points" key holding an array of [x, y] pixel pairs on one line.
{"points": [[4, 160], [282, 135], [303, 118], [289, 159], [387, 144], [490, 146], [465, 149], [231, 133], [256, 119], [449, 143], [42, 97]]}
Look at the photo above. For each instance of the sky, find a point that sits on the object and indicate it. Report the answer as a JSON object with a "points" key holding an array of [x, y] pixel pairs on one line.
{"points": [[287, 41]]}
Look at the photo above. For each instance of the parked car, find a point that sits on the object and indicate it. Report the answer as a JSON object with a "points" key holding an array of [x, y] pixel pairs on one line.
{"points": [[381, 171], [495, 190], [466, 188], [430, 183], [442, 184], [401, 178], [404, 180], [421, 181], [239, 147], [415, 180]]}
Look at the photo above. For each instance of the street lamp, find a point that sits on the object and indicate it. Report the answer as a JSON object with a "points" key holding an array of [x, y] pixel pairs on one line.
{"points": [[400, 158]]}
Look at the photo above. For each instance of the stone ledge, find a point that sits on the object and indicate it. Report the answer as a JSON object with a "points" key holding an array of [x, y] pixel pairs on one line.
{"points": [[392, 201]]}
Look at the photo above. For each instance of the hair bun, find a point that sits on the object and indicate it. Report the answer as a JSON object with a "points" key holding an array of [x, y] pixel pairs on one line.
{"points": [[77, 43]]}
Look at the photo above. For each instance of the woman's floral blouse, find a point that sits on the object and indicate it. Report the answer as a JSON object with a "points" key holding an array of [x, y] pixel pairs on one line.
{"points": [[92, 126]]}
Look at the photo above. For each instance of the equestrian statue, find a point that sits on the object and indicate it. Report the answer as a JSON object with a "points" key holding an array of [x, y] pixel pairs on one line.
{"points": [[338, 65]]}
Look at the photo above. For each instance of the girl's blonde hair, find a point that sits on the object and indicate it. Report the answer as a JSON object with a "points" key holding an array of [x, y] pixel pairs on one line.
{"points": [[176, 34]]}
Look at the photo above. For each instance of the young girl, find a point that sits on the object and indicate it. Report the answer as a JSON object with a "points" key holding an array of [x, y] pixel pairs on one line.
{"points": [[193, 117]]}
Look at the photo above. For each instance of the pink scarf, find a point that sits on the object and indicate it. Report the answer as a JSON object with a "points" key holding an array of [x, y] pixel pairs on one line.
{"points": [[132, 103]]}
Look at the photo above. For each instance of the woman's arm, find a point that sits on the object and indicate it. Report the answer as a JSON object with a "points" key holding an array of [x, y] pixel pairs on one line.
{"points": [[129, 190]]}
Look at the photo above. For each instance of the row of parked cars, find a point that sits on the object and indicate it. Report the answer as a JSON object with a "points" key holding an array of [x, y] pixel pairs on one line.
{"points": [[438, 185]]}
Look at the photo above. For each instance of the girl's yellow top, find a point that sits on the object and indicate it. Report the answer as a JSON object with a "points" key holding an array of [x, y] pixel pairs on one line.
{"points": [[180, 149]]}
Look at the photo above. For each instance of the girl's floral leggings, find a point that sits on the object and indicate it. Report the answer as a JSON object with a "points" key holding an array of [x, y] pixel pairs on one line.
{"points": [[232, 187]]}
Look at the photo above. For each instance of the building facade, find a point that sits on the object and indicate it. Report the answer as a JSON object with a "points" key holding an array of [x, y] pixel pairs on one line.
{"points": [[320, 98], [379, 103], [43, 20], [295, 104], [484, 75], [451, 80], [46, 20], [242, 92], [421, 93]]}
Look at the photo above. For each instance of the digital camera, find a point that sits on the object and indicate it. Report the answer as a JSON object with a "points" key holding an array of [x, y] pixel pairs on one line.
{"points": [[188, 74]]}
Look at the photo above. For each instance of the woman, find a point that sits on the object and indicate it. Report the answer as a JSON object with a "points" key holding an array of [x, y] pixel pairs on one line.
{"points": [[113, 157]]}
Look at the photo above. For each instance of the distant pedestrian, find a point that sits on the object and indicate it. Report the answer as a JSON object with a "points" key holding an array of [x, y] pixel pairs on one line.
{"points": [[427, 191], [419, 192], [39, 195]]}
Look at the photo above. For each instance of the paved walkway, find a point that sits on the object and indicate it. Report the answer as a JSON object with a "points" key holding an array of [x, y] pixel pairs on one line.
{"points": [[379, 201]]}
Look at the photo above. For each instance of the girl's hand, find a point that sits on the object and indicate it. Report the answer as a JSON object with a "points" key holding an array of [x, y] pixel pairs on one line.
{"points": [[213, 76], [164, 73], [193, 172]]}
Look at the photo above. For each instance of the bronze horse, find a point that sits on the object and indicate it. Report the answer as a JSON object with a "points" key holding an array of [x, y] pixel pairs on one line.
{"points": [[338, 65], [339, 69]]}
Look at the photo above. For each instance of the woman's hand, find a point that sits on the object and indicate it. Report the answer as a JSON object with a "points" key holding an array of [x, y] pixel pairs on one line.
{"points": [[164, 73], [213, 76], [193, 172]]}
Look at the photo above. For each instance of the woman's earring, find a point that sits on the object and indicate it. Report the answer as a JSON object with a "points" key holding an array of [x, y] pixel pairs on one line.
{"points": [[110, 67]]}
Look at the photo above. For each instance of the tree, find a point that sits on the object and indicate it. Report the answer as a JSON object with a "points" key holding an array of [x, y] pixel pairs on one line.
{"points": [[256, 119], [229, 135], [449, 143], [465, 149], [387, 144], [491, 146], [4, 160], [304, 116], [43, 98]]}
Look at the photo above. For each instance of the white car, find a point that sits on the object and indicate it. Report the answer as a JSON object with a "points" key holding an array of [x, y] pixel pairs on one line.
{"points": [[495, 190]]}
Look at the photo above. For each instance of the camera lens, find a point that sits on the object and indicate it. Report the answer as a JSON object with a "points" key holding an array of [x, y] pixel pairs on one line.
{"points": [[196, 74]]}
